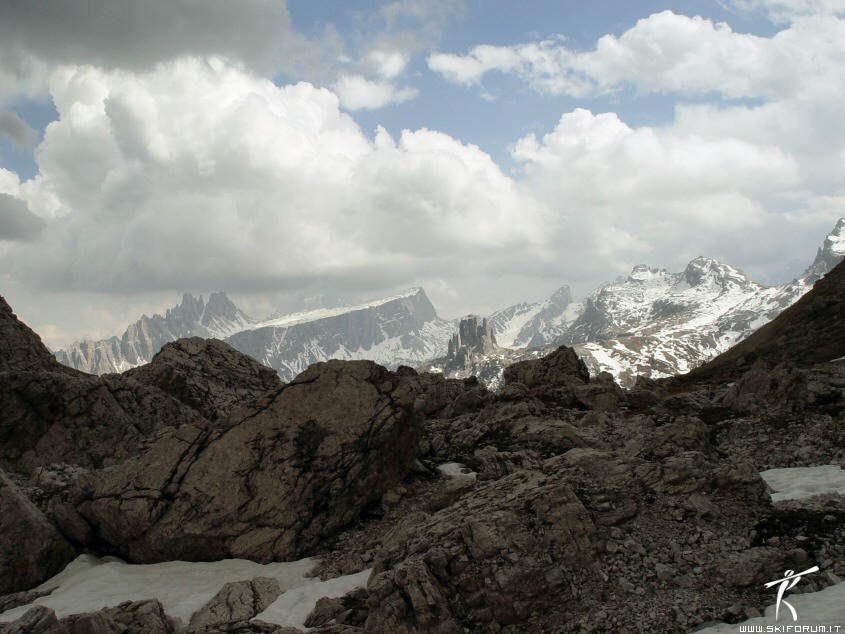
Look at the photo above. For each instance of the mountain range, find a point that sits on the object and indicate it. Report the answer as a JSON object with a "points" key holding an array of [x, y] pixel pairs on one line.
{"points": [[399, 330], [199, 493], [651, 323], [654, 323]]}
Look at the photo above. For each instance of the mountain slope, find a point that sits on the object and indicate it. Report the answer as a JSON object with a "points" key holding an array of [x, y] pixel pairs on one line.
{"points": [[809, 332], [535, 325], [217, 318], [655, 323], [400, 330]]}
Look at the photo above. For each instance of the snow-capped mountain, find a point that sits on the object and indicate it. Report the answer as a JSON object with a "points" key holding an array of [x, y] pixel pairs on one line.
{"points": [[217, 318], [399, 330], [535, 325], [655, 323]]}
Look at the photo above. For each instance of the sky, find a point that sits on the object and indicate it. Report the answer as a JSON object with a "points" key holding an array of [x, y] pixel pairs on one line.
{"points": [[323, 151]]}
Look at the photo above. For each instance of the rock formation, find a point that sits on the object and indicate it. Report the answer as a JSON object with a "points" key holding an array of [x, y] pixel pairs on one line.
{"points": [[562, 503], [21, 350], [31, 549], [297, 466], [206, 375], [219, 317], [474, 336]]}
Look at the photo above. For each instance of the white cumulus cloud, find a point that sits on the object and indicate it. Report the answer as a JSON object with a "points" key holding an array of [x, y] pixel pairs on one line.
{"points": [[356, 92], [199, 174]]}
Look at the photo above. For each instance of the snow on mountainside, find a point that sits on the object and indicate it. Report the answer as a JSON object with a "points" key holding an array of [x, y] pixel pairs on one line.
{"points": [[651, 323], [400, 330], [218, 319], [654, 323], [535, 325]]}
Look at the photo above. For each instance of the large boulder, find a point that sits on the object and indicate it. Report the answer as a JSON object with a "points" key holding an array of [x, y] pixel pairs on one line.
{"points": [[207, 375], [31, 549], [299, 464], [561, 367], [71, 417], [235, 602]]}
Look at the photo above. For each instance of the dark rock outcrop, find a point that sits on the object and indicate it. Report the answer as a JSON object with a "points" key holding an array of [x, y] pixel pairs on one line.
{"points": [[561, 367], [206, 375], [21, 350], [480, 561], [80, 419], [303, 462], [31, 549]]}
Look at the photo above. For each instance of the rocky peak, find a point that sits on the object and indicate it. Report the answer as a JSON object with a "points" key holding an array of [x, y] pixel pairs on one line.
{"points": [[701, 270], [207, 375], [643, 272], [20, 348], [219, 304], [828, 256], [475, 335]]}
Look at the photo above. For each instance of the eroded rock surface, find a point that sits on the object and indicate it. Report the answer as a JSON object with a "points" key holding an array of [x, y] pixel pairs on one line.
{"points": [[206, 375], [236, 601], [298, 466], [31, 549]]}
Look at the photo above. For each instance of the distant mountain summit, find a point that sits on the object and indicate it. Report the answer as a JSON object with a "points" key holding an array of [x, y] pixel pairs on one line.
{"points": [[828, 255], [654, 323], [399, 330], [217, 318]]}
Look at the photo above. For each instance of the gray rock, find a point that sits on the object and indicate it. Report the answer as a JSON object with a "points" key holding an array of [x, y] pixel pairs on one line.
{"points": [[562, 367], [36, 620], [127, 618], [480, 559], [206, 375], [237, 601], [31, 549], [325, 611], [299, 465], [21, 350], [69, 417]]}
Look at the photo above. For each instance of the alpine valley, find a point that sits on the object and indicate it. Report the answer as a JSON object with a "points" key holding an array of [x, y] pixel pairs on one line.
{"points": [[652, 323]]}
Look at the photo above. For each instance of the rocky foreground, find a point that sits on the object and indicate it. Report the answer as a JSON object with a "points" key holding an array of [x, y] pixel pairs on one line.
{"points": [[581, 507]]}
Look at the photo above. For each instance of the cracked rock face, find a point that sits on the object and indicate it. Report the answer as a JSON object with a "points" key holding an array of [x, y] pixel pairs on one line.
{"points": [[236, 601], [495, 556], [562, 366], [207, 375], [80, 419], [277, 477], [31, 549], [20, 348]]}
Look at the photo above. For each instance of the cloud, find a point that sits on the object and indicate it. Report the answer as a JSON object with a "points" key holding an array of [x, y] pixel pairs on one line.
{"points": [[785, 11], [359, 93], [670, 53], [17, 130], [624, 192], [17, 222], [387, 64], [137, 36], [200, 174], [125, 34]]}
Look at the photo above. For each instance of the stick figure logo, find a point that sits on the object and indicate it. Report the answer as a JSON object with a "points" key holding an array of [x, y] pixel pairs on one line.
{"points": [[787, 583]]}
